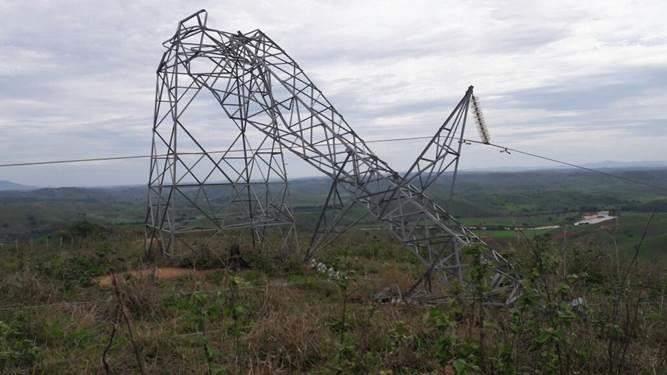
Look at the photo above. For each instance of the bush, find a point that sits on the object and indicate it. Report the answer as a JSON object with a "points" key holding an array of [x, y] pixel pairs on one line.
{"points": [[16, 350], [75, 270]]}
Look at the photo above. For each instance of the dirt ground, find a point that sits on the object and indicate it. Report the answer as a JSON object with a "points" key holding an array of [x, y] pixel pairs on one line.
{"points": [[161, 273]]}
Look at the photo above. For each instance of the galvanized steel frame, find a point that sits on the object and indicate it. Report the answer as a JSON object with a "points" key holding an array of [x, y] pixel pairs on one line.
{"points": [[276, 97]]}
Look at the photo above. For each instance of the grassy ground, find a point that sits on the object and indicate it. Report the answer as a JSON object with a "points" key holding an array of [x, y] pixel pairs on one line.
{"points": [[281, 316], [621, 235]]}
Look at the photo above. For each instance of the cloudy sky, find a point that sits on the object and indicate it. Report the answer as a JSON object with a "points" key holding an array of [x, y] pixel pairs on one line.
{"points": [[582, 81]]}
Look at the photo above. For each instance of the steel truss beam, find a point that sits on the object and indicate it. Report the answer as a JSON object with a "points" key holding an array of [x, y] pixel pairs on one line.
{"points": [[192, 190], [259, 86]]}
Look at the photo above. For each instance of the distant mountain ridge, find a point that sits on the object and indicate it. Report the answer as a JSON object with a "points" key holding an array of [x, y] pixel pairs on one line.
{"points": [[627, 164], [8, 185], [617, 165], [623, 166], [479, 195]]}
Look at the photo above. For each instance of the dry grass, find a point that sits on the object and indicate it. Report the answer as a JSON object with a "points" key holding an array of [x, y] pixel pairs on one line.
{"points": [[28, 288], [293, 340], [273, 318], [156, 273]]}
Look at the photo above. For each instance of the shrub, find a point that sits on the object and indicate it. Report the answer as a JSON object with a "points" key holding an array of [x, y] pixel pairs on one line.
{"points": [[16, 349], [75, 270]]}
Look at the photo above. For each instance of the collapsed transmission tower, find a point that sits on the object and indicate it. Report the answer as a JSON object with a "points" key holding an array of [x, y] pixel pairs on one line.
{"points": [[265, 92], [195, 193]]}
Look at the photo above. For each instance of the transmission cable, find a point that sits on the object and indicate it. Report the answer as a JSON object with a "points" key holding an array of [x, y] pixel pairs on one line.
{"points": [[502, 148], [581, 167], [123, 157]]}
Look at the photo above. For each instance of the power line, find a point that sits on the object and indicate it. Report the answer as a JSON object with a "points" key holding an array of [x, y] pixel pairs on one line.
{"points": [[612, 175], [71, 161], [382, 140], [126, 157]]}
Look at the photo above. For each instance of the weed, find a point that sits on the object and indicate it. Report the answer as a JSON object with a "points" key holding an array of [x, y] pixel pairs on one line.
{"points": [[16, 349]]}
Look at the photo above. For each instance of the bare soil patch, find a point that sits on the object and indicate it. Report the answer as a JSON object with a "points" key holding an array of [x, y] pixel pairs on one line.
{"points": [[160, 273]]}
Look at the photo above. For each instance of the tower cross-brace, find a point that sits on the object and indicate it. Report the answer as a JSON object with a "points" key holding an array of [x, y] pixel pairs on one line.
{"points": [[258, 85]]}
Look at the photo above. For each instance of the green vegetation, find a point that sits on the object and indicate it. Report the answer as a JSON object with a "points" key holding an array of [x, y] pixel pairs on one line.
{"points": [[584, 309], [517, 198], [592, 302]]}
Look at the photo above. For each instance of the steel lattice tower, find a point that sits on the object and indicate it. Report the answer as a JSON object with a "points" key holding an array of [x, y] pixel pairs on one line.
{"points": [[196, 193], [261, 88]]}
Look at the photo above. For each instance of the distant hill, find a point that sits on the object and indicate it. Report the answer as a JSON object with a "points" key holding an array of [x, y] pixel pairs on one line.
{"points": [[8, 185], [616, 165], [481, 197], [627, 164]]}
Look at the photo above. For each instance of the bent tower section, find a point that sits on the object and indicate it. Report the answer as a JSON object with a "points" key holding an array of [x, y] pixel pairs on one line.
{"points": [[261, 88]]}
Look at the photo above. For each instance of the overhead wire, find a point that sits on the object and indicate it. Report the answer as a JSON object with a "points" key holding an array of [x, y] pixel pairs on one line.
{"points": [[126, 157], [581, 167], [502, 148]]}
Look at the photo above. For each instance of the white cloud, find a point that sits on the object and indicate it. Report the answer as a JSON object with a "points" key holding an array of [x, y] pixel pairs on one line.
{"points": [[77, 77]]}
